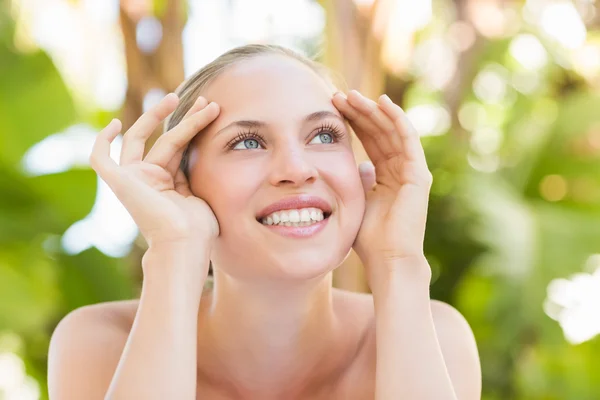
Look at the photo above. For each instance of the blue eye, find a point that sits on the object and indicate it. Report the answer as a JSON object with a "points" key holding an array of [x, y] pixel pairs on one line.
{"points": [[247, 144], [323, 138]]}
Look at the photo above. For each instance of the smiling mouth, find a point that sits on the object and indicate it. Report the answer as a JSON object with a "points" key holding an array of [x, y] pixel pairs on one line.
{"points": [[295, 217]]}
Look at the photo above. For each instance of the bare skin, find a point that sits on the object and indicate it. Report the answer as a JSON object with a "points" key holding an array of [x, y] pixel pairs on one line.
{"points": [[349, 374], [273, 327], [352, 351]]}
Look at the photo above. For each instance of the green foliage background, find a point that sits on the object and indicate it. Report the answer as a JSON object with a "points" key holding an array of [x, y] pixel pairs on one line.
{"points": [[494, 243]]}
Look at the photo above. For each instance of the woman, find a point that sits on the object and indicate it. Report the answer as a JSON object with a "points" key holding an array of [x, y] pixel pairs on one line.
{"points": [[255, 173]]}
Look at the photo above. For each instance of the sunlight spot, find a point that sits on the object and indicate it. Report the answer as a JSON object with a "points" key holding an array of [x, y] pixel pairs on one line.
{"points": [[109, 227], [529, 52], [483, 163], [85, 42], [586, 60], [435, 62], [429, 119], [490, 85], [14, 382], [562, 22], [486, 140], [413, 15], [526, 82], [574, 303], [60, 152], [148, 34], [553, 188], [215, 26], [152, 98], [12, 370], [472, 115]]}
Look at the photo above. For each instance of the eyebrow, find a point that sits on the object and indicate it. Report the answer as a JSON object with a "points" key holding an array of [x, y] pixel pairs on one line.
{"points": [[317, 115]]}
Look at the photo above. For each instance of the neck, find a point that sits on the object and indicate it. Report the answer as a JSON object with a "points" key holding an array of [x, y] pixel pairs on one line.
{"points": [[259, 337]]}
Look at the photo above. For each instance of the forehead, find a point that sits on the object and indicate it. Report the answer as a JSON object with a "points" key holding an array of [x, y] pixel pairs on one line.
{"points": [[269, 87]]}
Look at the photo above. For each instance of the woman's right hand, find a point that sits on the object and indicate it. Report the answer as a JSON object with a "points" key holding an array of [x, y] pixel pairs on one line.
{"points": [[153, 188]]}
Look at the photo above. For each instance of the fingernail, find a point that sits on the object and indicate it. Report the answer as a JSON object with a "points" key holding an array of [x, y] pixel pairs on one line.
{"points": [[386, 98], [366, 166]]}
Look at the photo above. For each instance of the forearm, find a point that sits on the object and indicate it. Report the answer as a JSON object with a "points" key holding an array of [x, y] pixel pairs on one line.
{"points": [[159, 358], [410, 364]]}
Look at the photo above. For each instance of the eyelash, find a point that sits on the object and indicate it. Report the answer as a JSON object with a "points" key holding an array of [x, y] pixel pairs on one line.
{"points": [[336, 133]]}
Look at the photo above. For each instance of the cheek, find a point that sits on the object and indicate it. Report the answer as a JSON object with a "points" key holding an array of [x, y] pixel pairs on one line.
{"points": [[341, 175], [229, 190]]}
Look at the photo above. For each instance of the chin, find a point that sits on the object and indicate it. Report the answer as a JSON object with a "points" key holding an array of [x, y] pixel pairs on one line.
{"points": [[308, 264], [292, 264]]}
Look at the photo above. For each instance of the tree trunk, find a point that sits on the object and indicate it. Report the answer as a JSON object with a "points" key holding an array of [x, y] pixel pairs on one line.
{"points": [[354, 52], [161, 69]]}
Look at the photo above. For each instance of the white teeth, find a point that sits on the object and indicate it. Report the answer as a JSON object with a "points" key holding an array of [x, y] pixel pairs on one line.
{"points": [[294, 216], [301, 217], [305, 215]]}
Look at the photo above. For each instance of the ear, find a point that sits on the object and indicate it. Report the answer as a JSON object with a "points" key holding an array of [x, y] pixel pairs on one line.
{"points": [[366, 170]]}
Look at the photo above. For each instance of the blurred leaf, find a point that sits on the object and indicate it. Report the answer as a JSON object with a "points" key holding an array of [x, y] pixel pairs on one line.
{"points": [[92, 277], [71, 194], [46, 203], [34, 102], [28, 287]]}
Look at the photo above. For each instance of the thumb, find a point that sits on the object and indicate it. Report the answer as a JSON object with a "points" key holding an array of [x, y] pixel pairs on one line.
{"points": [[366, 170]]}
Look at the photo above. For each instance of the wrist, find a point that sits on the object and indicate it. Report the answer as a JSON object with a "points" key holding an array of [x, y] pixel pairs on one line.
{"points": [[407, 275], [176, 266]]}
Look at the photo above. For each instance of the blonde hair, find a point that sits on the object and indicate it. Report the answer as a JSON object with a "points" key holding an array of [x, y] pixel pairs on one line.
{"points": [[191, 88]]}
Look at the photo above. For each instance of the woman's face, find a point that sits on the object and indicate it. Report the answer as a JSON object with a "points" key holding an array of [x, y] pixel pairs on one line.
{"points": [[279, 150]]}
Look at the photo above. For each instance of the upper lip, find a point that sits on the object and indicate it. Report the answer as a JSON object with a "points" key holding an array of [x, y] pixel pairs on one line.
{"points": [[296, 202]]}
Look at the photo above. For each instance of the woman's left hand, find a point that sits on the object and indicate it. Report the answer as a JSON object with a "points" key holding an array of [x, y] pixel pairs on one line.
{"points": [[397, 187]]}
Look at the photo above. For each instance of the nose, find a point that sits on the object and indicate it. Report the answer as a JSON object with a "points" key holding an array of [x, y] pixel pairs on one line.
{"points": [[292, 168]]}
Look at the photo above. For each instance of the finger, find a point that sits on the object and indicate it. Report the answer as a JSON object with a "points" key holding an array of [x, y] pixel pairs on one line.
{"points": [[134, 140], [359, 125], [411, 140], [177, 138], [100, 160], [175, 162], [198, 105], [386, 131], [366, 170], [182, 185]]}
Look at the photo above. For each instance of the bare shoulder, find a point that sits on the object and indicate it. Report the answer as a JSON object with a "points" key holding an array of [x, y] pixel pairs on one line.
{"points": [[459, 348], [450, 321], [114, 316], [455, 337], [85, 349], [454, 333]]}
